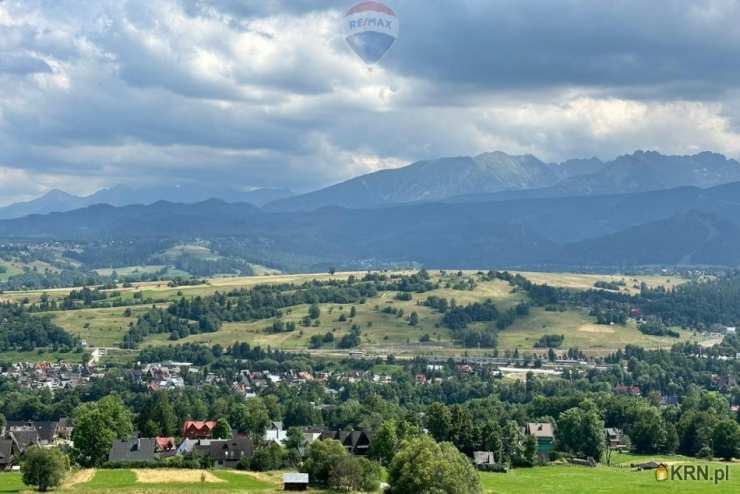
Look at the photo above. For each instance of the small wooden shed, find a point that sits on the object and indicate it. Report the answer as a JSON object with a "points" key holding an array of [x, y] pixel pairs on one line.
{"points": [[295, 481]]}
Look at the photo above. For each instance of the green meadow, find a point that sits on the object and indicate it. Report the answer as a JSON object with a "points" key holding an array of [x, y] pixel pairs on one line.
{"points": [[104, 481], [381, 332], [600, 480]]}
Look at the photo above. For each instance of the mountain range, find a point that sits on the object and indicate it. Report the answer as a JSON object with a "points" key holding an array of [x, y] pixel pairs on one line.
{"points": [[57, 201], [686, 225], [487, 177], [498, 176], [490, 210]]}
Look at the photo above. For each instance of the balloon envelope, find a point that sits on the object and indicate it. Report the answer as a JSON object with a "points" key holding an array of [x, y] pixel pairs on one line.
{"points": [[370, 29]]}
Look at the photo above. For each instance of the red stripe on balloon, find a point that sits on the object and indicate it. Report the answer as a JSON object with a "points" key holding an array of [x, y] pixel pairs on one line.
{"points": [[365, 6]]}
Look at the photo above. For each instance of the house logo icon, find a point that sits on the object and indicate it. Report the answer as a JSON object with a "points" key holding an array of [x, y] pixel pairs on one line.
{"points": [[661, 473]]}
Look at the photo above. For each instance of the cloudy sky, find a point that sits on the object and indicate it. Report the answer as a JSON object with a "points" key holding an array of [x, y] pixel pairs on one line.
{"points": [[266, 93]]}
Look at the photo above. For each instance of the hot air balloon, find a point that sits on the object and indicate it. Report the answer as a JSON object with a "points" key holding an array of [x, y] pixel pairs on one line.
{"points": [[370, 29]]}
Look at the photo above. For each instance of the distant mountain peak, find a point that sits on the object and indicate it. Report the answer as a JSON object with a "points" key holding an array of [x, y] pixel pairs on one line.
{"points": [[57, 194]]}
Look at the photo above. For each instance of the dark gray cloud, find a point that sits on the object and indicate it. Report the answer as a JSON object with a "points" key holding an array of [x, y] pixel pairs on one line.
{"points": [[266, 93]]}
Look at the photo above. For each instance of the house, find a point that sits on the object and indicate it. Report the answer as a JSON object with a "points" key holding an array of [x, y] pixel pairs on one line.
{"points": [[24, 439], [295, 481], [545, 435], [197, 429], [621, 389], [165, 446], [311, 434], [481, 458], [727, 381], [133, 450], [355, 442], [43, 433], [227, 453], [669, 400], [187, 446], [650, 465], [9, 454], [275, 433], [615, 438]]}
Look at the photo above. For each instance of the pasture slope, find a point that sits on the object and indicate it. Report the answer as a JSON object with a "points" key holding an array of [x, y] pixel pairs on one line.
{"points": [[382, 332]]}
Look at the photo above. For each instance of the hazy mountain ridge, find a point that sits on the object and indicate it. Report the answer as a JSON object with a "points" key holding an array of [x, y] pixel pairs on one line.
{"points": [[57, 201], [692, 238], [684, 225]]}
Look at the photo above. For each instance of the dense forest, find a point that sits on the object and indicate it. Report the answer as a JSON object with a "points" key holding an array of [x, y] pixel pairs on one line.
{"points": [[20, 330]]}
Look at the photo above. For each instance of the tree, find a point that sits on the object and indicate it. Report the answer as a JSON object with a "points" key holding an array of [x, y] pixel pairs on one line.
{"points": [[252, 417], [294, 441], [424, 466], [270, 457], [158, 418], [648, 432], [332, 270], [385, 443], [321, 456], [581, 432], [44, 468], [439, 421], [294, 438], [529, 452], [301, 412], [97, 425], [414, 319], [695, 431], [726, 439], [463, 429], [350, 474], [314, 311], [222, 429]]}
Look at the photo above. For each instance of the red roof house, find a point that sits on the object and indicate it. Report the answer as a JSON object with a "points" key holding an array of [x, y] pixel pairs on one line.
{"points": [[164, 444], [197, 429]]}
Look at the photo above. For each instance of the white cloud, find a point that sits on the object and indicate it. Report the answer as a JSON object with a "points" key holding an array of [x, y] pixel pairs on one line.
{"points": [[267, 94]]}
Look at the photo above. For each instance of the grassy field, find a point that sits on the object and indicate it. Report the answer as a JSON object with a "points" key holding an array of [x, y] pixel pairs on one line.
{"points": [[40, 356], [580, 331], [152, 481], [381, 332], [555, 479], [11, 483], [579, 281], [174, 480], [99, 327], [133, 270], [599, 480], [11, 269]]}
